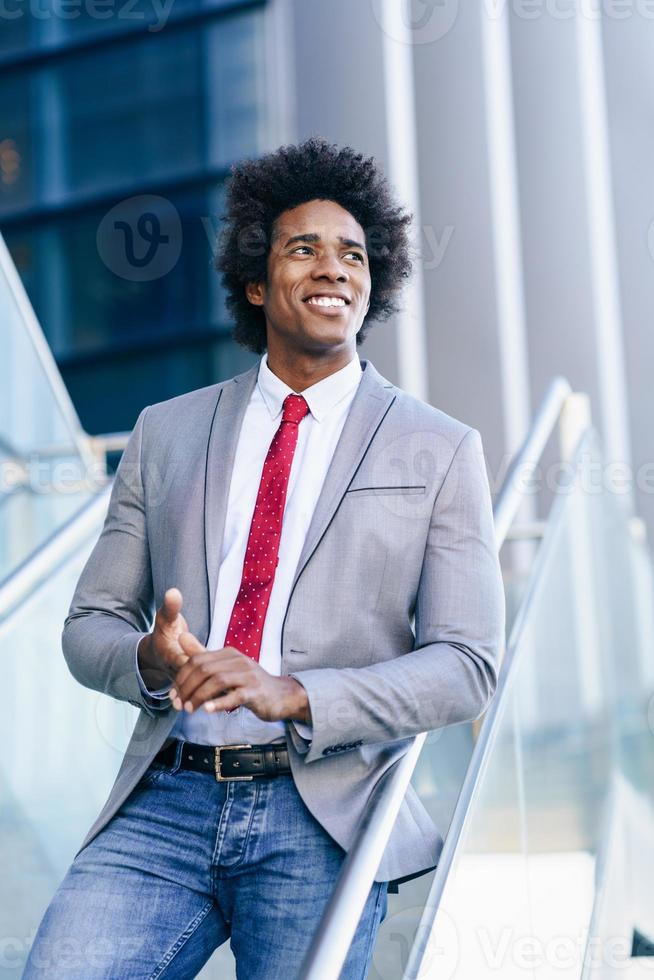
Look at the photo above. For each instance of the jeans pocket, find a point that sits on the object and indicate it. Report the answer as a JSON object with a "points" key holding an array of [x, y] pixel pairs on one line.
{"points": [[155, 771]]}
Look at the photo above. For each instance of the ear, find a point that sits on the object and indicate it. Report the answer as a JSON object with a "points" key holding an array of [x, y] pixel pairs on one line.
{"points": [[256, 292]]}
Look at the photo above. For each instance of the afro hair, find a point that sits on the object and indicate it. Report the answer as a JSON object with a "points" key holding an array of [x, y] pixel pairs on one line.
{"points": [[258, 191]]}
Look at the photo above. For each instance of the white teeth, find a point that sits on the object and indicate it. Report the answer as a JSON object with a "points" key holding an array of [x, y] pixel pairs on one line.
{"points": [[326, 301]]}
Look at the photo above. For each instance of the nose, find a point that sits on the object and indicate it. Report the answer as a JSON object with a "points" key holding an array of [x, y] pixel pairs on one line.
{"points": [[329, 267]]}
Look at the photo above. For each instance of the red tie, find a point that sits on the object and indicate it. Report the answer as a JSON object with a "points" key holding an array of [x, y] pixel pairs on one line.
{"points": [[249, 613]]}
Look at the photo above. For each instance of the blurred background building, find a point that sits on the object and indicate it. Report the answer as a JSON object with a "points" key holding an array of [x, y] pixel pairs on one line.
{"points": [[97, 113], [519, 134]]}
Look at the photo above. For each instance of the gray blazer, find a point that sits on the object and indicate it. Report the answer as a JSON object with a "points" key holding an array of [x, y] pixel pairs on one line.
{"points": [[403, 527]]}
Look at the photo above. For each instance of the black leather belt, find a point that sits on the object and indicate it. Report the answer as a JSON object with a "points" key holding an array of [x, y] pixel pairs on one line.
{"points": [[228, 761]]}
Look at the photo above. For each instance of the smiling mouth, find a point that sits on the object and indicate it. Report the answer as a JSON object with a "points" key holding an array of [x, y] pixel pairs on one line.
{"points": [[327, 302], [327, 311], [327, 306]]}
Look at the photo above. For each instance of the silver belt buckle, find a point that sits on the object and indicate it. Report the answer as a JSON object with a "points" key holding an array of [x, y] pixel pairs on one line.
{"points": [[219, 777]]}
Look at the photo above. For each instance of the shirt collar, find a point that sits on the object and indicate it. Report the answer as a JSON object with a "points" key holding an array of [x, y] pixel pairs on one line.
{"points": [[321, 397]]}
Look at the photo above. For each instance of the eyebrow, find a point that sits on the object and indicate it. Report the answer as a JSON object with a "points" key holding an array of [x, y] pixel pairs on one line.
{"points": [[313, 237]]}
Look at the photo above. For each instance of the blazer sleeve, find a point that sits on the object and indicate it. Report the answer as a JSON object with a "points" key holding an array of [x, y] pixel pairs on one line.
{"points": [[113, 603], [451, 674]]}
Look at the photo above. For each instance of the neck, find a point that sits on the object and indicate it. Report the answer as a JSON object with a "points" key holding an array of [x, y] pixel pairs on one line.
{"points": [[300, 371]]}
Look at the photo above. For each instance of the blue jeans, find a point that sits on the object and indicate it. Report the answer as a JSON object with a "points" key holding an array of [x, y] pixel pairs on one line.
{"points": [[187, 863]]}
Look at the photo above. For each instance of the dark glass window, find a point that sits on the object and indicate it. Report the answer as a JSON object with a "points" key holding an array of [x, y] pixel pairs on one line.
{"points": [[155, 107], [115, 388], [112, 163], [17, 29], [16, 143], [60, 23], [114, 289], [149, 121]]}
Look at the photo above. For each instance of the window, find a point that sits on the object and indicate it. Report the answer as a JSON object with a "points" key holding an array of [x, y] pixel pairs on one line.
{"points": [[91, 141]]}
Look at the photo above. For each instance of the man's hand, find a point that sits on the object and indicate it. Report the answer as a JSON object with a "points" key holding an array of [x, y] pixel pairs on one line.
{"points": [[222, 680], [159, 653]]}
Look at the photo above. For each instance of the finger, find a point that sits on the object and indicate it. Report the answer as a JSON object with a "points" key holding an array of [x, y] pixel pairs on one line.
{"points": [[173, 661], [193, 674], [209, 662], [190, 644], [171, 605], [191, 664], [209, 690], [177, 661], [199, 661], [226, 702], [201, 674], [204, 657]]}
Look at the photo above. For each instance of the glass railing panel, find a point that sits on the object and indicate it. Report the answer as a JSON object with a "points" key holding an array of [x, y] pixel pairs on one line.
{"points": [[44, 454], [437, 779], [63, 747], [28, 519], [626, 635], [624, 905], [34, 410], [562, 694], [637, 721], [519, 898], [461, 944]]}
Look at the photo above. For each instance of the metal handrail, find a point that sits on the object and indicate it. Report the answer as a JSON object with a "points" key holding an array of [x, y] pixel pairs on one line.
{"points": [[49, 556], [510, 496], [99, 446], [328, 951], [107, 442], [110, 442], [10, 451]]}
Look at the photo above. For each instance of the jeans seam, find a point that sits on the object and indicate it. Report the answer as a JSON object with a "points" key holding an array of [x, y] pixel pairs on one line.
{"points": [[181, 940]]}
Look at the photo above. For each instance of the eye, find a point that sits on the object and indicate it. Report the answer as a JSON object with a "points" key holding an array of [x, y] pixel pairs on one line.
{"points": [[357, 255]]}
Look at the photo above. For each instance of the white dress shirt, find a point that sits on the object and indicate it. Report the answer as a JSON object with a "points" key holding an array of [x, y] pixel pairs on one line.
{"points": [[329, 402]]}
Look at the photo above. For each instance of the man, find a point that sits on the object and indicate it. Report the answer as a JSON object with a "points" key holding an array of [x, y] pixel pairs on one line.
{"points": [[287, 525]]}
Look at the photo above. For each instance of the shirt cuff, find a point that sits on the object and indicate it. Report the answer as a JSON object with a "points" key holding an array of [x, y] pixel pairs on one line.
{"points": [[161, 693], [306, 731]]}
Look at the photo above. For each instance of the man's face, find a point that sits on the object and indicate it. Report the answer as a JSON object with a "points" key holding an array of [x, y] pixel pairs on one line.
{"points": [[318, 288]]}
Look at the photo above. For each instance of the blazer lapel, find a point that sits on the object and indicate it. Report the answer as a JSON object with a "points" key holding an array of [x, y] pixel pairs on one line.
{"points": [[221, 450], [369, 406]]}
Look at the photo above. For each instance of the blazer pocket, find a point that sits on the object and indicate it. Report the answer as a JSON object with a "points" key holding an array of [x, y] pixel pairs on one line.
{"points": [[385, 491]]}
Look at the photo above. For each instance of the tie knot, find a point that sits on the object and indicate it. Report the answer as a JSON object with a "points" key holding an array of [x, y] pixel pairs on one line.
{"points": [[295, 408]]}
